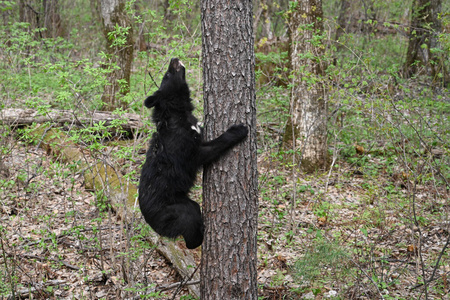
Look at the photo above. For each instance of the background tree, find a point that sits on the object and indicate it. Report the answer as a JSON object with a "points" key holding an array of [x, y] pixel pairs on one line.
{"points": [[343, 20], [423, 40], [28, 14], [263, 13], [42, 14], [306, 129], [118, 31], [230, 185]]}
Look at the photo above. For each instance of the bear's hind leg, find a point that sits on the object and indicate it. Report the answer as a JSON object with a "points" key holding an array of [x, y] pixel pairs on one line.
{"points": [[183, 218]]}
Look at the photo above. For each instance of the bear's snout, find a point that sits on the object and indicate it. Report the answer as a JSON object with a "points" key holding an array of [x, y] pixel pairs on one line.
{"points": [[176, 65]]}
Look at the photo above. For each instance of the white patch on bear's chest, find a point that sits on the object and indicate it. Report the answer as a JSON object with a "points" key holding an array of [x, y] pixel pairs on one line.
{"points": [[197, 127]]}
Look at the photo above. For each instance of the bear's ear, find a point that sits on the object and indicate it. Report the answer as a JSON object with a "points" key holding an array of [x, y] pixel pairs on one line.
{"points": [[151, 100]]}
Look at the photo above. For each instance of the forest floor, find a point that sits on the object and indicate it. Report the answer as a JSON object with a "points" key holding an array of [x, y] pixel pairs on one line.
{"points": [[61, 244], [337, 235]]}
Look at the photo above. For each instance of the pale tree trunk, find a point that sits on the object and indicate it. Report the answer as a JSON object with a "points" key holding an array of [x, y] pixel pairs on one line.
{"points": [[306, 129], [425, 27], [120, 54], [229, 260], [267, 23]]}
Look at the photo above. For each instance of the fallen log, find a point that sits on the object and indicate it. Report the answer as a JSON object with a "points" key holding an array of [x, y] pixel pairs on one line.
{"points": [[23, 117], [120, 192]]}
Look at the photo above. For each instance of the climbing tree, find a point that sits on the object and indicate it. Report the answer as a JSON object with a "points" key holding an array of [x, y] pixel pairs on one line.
{"points": [[230, 185]]}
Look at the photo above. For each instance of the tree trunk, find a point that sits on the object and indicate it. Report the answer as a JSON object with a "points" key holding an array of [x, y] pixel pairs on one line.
{"points": [[425, 27], [342, 21], [267, 23], [52, 19], [118, 31], [42, 14], [95, 10], [306, 129], [168, 15], [369, 14], [29, 13], [230, 199]]}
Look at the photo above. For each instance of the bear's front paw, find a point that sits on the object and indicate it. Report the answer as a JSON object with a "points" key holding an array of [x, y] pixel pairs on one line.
{"points": [[240, 131]]}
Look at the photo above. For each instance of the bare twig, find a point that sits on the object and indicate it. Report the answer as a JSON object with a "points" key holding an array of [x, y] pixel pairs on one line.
{"points": [[416, 222], [183, 283], [9, 271], [432, 278], [47, 259], [176, 285]]}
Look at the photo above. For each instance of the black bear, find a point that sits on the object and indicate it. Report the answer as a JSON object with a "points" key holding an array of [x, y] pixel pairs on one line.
{"points": [[175, 154]]}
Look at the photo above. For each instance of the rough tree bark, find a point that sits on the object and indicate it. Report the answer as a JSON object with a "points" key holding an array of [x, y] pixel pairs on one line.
{"points": [[228, 269], [306, 129], [119, 47], [425, 27]]}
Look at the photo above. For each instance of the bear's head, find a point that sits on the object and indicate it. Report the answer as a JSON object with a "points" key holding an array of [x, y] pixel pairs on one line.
{"points": [[175, 75], [173, 85]]}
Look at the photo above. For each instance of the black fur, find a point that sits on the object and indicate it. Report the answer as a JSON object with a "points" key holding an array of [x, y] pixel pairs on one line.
{"points": [[176, 153]]}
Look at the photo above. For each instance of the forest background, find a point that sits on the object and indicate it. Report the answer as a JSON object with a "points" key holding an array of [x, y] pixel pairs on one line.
{"points": [[373, 224]]}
